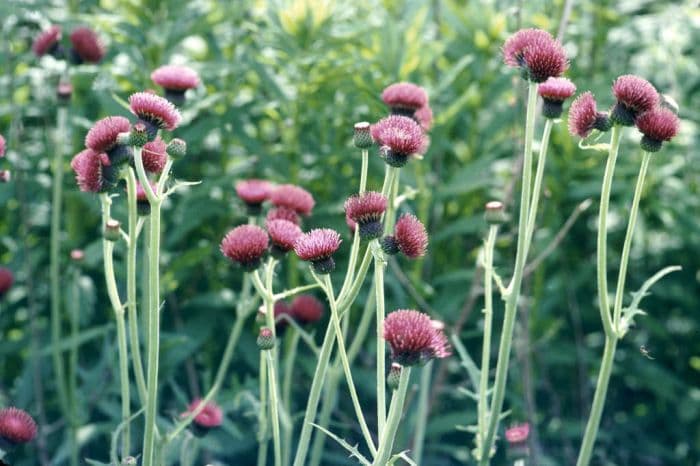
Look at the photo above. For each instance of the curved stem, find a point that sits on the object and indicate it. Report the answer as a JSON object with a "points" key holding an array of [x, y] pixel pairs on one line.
{"points": [[631, 225], [513, 292], [395, 412]]}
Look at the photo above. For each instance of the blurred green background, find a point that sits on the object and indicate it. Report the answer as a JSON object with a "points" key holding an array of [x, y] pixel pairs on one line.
{"points": [[284, 81]]}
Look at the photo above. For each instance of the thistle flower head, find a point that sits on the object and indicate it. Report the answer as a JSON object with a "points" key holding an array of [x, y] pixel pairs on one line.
{"points": [[352, 224], [47, 41], [634, 95], [537, 53], [2, 146], [398, 137], [210, 417], [306, 309], [246, 245], [254, 192], [282, 308], [518, 433], [318, 246], [366, 210], [584, 116], [556, 89], [87, 46], [88, 169], [16, 426], [410, 236], [155, 111], [283, 213], [657, 125], [64, 91], [292, 197], [7, 278], [175, 77], [102, 137], [404, 98], [424, 117], [153, 155], [283, 234], [413, 338]]}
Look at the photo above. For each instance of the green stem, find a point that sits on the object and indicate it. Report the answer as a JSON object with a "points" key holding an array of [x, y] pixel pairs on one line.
{"points": [[513, 292], [539, 176], [73, 368], [131, 285], [624, 260], [486, 345], [379, 265], [274, 405], [392, 425], [601, 390], [262, 415], [363, 172], [328, 288], [289, 360], [422, 413], [603, 302]]}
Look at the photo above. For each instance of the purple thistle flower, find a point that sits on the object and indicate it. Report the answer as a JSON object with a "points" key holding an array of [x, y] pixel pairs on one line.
{"points": [[398, 137], [283, 213], [554, 92], [283, 235], [154, 155], [155, 112], [88, 168], [584, 116], [657, 125], [424, 117], [404, 98], [102, 137], [366, 210], [306, 309], [318, 247], [293, 197], [413, 338], [7, 278], [246, 245], [536, 53], [254, 192], [634, 95], [175, 79], [2, 146], [47, 41], [409, 238], [87, 46], [209, 418], [16, 426]]}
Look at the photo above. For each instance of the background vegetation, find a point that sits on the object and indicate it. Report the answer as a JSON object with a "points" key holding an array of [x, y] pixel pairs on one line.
{"points": [[283, 83]]}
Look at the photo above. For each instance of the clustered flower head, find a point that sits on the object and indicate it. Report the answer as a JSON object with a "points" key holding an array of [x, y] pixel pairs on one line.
{"points": [[246, 245], [293, 197], [634, 96], [657, 125], [409, 238], [318, 246], [102, 137], [16, 426], [283, 235], [399, 137], [208, 418], [47, 42], [87, 46], [7, 278], [155, 112], [554, 92], [175, 80], [254, 192], [154, 156], [366, 210], [90, 170], [413, 338], [538, 55], [404, 98], [584, 116]]}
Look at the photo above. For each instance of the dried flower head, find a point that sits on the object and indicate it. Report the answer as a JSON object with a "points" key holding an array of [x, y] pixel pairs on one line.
{"points": [[283, 213], [175, 79], [246, 245], [2, 146], [404, 98], [156, 112], [518, 433], [366, 210], [424, 117], [153, 155], [16, 426], [413, 338], [398, 137], [657, 125], [584, 116], [634, 95], [7, 278], [536, 53], [306, 309], [283, 235], [318, 246], [554, 92], [47, 41], [293, 197], [409, 238], [102, 137], [209, 417], [88, 168], [254, 192], [87, 46]]}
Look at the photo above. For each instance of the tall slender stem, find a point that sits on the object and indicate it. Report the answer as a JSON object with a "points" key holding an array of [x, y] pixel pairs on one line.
{"points": [[262, 415], [289, 360], [363, 172], [74, 315], [386, 444], [539, 176], [274, 407], [422, 413], [513, 293], [379, 265]]}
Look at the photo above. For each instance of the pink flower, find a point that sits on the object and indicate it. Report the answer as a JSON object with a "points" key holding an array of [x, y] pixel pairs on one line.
{"points": [[410, 238], [634, 95], [77, 255], [657, 125], [282, 308], [366, 209], [424, 117], [88, 169], [413, 338], [307, 309], [210, 417], [293, 197], [404, 98], [515, 46], [87, 45], [317, 247], [175, 77], [283, 234], [537, 53], [245, 244], [47, 41], [102, 137], [16, 426], [399, 137], [154, 155], [254, 192], [352, 224], [283, 213], [554, 92], [2, 146], [518, 433], [7, 278], [155, 111], [584, 116]]}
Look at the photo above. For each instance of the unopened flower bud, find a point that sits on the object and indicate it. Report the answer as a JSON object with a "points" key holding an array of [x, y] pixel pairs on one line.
{"points": [[177, 148], [495, 213], [5, 176], [139, 134], [64, 91], [389, 245], [112, 230], [362, 137], [394, 376], [266, 339]]}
